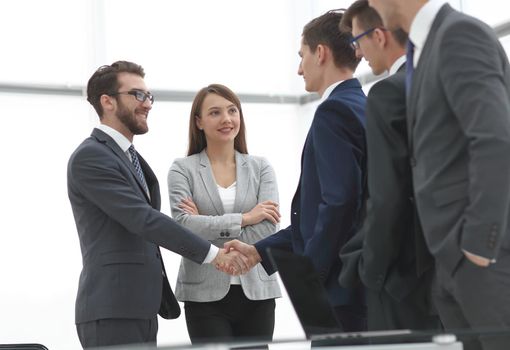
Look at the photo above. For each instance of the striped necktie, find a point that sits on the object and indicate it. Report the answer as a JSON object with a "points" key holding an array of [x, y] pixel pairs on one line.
{"points": [[138, 167]]}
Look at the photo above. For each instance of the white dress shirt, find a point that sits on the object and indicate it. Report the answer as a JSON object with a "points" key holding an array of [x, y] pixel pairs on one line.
{"points": [[397, 64], [420, 27], [329, 90]]}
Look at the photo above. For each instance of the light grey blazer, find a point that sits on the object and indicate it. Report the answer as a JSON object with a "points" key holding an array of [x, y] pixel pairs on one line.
{"points": [[256, 182]]}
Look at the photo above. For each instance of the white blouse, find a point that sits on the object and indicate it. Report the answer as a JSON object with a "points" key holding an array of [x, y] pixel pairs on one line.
{"points": [[228, 197]]}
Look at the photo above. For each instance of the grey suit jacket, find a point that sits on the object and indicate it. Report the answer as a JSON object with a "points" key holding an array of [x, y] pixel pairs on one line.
{"points": [[120, 230], [459, 136], [393, 253], [192, 177]]}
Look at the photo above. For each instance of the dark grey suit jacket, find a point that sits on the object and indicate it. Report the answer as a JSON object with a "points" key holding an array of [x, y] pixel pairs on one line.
{"points": [[459, 136], [394, 254], [120, 230]]}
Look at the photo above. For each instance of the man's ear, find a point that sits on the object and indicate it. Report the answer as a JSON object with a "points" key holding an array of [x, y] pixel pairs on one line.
{"points": [[107, 102], [380, 37], [321, 51]]}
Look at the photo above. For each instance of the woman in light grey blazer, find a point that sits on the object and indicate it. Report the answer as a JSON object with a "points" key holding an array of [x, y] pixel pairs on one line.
{"points": [[221, 193]]}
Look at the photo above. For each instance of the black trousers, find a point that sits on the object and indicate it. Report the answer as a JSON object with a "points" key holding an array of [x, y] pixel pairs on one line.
{"points": [[352, 317], [232, 318], [476, 298], [109, 332]]}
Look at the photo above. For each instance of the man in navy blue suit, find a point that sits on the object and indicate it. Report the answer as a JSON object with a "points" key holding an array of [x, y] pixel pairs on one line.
{"points": [[326, 209]]}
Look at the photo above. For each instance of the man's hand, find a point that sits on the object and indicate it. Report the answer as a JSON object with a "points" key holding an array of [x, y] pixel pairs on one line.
{"points": [[249, 251], [477, 260], [231, 262], [267, 210]]}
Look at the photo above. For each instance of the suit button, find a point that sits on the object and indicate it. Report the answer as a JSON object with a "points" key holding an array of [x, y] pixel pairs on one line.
{"points": [[227, 234], [294, 213], [412, 162], [222, 234]]}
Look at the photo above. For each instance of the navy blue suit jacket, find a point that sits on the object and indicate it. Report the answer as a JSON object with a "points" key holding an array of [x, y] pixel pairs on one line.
{"points": [[326, 208]]}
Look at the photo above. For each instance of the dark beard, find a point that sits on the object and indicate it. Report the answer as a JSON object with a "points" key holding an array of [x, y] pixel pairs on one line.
{"points": [[128, 118]]}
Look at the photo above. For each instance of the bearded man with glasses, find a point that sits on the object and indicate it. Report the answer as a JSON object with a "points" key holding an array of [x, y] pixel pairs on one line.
{"points": [[115, 199]]}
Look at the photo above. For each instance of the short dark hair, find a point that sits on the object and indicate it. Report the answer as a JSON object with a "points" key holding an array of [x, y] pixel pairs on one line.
{"points": [[325, 30], [104, 81], [197, 141], [368, 18]]}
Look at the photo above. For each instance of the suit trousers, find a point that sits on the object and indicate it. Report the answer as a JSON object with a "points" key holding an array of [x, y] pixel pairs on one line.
{"points": [[232, 318], [415, 311], [352, 317], [477, 299], [109, 332]]}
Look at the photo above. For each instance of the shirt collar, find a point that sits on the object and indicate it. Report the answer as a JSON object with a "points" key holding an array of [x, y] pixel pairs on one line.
{"points": [[120, 139], [330, 89], [397, 64], [422, 22]]}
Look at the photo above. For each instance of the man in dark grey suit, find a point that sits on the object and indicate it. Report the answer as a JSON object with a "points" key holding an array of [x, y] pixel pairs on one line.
{"points": [[459, 137], [395, 264], [115, 200]]}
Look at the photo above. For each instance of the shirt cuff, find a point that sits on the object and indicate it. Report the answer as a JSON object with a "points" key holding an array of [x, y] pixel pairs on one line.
{"points": [[492, 261], [213, 251]]}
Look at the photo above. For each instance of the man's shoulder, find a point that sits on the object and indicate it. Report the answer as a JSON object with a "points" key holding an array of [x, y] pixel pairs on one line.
{"points": [[459, 24], [88, 147], [394, 84]]}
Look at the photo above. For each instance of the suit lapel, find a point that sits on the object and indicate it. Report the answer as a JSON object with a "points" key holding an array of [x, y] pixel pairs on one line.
{"points": [[422, 68], [242, 182], [108, 141], [210, 183]]}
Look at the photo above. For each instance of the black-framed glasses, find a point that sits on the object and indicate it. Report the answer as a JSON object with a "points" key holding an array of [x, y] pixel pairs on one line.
{"points": [[354, 41], [138, 94]]}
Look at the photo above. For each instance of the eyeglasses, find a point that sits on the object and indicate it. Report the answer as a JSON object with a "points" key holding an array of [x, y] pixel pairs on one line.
{"points": [[354, 41], [138, 94]]}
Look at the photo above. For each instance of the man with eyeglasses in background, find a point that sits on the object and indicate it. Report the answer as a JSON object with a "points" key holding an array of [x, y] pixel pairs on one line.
{"points": [[116, 201], [394, 262], [459, 139]]}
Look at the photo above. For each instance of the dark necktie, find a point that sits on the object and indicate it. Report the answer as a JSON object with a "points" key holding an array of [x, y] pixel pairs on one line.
{"points": [[409, 66], [138, 167]]}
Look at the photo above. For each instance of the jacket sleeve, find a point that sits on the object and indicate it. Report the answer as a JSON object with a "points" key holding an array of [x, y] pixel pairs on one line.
{"points": [[268, 190], [474, 73], [104, 184]]}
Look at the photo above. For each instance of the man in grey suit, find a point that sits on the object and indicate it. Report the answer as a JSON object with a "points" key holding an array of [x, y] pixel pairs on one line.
{"points": [[459, 137], [115, 200], [394, 262]]}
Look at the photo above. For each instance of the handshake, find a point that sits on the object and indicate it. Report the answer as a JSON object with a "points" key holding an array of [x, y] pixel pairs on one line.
{"points": [[236, 258]]}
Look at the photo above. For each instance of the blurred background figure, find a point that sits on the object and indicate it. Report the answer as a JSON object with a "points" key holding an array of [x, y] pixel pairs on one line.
{"points": [[395, 264]]}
